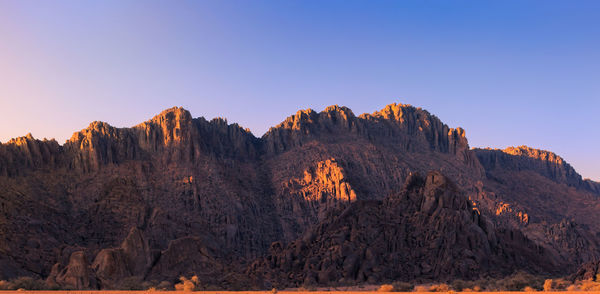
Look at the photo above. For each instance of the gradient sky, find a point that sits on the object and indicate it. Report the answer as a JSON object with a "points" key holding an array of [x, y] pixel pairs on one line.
{"points": [[509, 72]]}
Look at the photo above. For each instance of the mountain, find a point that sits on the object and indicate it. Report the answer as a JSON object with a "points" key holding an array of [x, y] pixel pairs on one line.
{"points": [[428, 232], [178, 195]]}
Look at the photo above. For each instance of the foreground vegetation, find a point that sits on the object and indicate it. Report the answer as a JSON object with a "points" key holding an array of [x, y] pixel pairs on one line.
{"points": [[520, 281], [517, 282]]}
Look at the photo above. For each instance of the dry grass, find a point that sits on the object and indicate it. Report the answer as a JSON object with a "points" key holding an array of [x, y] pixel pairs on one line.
{"points": [[256, 292]]}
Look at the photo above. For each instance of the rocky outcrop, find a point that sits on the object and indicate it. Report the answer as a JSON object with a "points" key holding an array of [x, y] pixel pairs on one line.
{"points": [[196, 256], [133, 258], [429, 231], [320, 188], [76, 275], [573, 241]]}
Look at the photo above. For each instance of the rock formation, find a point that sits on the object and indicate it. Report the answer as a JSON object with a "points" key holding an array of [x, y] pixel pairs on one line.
{"points": [[429, 231], [76, 275], [133, 258], [217, 193]]}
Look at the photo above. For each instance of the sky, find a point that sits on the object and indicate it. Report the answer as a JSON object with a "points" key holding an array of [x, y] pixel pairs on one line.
{"points": [[509, 72]]}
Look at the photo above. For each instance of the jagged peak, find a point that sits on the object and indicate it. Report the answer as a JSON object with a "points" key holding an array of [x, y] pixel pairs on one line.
{"points": [[24, 140], [99, 125], [459, 131], [94, 128], [340, 109], [295, 121], [309, 116], [394, 111], [172, 114], [21, 140], [400, 112], [175, 110], [219, 120]]}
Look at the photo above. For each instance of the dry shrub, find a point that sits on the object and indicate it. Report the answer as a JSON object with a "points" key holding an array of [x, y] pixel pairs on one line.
{"points": [[529, 289], [26, 283], [556, 284], [274, 291], [385, 288], [519, 281], [588, 285], [572, 288], [433, 288], [439, 288], [460, 285], [421, 288], [187, 285], [560, 284]]}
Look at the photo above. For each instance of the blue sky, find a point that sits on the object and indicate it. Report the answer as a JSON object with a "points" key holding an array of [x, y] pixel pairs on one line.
{"points": [[509, 72]]}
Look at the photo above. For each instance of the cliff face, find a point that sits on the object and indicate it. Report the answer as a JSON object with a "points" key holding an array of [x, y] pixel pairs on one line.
{"points": [[406, 127], [173, 135], [525, 158], [114, 204], [27, 153], [561, 208]]}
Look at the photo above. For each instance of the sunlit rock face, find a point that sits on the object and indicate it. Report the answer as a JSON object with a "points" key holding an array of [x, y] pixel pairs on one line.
{"points": [[406, 127], [25, 153], [131, 198]]}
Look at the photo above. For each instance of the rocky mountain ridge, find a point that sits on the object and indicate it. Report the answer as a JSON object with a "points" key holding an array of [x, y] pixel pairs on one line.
{"points": [[545, 163], [115, 204]]}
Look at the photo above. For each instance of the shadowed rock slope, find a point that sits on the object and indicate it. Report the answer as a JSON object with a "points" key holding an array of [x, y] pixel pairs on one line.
{"points": [[427, 232], [112, 204], [553, 204]]}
